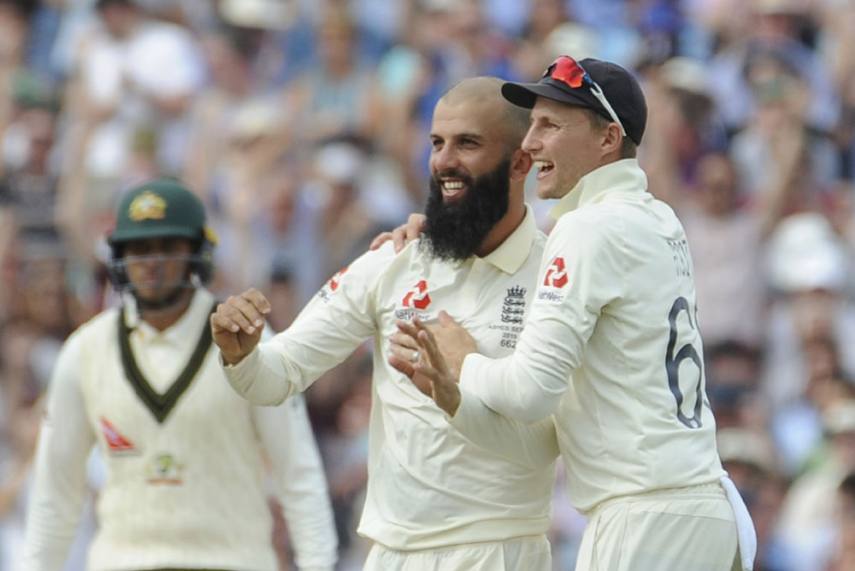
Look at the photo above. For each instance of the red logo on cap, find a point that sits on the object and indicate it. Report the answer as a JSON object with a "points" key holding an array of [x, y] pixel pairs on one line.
{"points": [[556, 276], [418, 297]]}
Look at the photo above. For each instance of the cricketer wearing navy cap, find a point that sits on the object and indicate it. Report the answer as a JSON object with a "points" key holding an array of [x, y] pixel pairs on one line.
{"points": [[601, 86], [611, 348]]}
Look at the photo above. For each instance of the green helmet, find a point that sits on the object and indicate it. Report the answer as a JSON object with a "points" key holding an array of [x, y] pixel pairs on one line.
{"points": [[161, 208]]}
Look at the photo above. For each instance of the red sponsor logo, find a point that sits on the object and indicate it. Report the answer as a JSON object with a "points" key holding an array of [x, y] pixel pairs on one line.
{"points": [[116, 442], [556, 276], [418, 297], [334, 281]]}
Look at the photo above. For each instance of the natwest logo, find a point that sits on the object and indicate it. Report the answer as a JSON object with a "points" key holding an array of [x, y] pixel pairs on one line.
{"points": [[556, 276], [418, 297], [334, 281]]}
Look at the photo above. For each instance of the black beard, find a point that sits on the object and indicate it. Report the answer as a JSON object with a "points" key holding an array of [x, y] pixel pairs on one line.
{"points": [[455, 231]]}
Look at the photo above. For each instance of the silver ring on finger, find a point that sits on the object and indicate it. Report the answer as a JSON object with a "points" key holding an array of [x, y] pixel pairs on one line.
{"points": [[415, 357]]}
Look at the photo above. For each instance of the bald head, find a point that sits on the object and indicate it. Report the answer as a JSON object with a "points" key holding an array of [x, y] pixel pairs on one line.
{"points": [[486, 93]]}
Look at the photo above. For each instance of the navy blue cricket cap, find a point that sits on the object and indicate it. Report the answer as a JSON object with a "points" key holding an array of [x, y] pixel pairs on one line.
{"points": [[573, 83]]}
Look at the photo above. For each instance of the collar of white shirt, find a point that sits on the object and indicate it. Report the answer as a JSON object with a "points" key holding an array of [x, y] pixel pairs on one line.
{"points": [[619, 176], [512, 253], [187, 329]]}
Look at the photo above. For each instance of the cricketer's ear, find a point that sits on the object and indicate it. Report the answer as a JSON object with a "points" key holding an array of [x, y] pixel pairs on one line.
{"points": [[521, 164]]}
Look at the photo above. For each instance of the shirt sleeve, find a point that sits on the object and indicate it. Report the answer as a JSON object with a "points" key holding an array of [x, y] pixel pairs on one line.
{"points": [[59, 487], [337, 320], [299, 482], [579, 276], [532, 445]]}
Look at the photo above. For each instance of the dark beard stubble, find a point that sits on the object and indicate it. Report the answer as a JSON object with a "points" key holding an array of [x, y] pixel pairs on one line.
{"points": [[456, 230]]}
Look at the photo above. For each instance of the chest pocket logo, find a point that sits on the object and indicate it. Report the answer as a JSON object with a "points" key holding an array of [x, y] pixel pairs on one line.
{"points": [[117, 443], [513, 308], [418, 297]]}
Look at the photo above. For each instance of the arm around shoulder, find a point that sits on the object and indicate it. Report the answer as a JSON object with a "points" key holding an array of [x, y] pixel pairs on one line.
{"points": [[578, 278]]}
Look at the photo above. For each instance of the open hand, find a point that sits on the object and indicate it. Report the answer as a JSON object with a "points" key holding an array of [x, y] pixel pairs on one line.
{"points": [[432, 357]]}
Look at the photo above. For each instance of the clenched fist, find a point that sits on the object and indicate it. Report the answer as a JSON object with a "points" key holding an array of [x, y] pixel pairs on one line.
{"points": [[237, 324]]}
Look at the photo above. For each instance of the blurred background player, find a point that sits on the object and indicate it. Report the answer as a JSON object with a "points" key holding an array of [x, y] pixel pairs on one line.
{"points": [[185, 457]]}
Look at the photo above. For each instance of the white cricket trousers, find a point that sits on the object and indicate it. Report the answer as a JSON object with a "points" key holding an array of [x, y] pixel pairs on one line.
{"points": [[681, 529], [521, 554]]}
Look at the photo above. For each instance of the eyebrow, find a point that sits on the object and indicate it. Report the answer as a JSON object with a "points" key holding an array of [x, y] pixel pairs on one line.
{"points": [[546, 116], [474, 136]]}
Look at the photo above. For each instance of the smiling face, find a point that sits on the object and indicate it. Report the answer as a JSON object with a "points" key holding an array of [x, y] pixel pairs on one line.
{"points": [[467, 142], [564, 145], [470, 176]]}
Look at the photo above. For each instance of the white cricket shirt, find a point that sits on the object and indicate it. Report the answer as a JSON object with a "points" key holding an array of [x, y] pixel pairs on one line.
{"points": [[610, 347], [187, 492], [428, 486]]}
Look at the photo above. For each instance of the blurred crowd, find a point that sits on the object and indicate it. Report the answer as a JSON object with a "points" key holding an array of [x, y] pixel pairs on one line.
{"points": [[302, 124]]}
